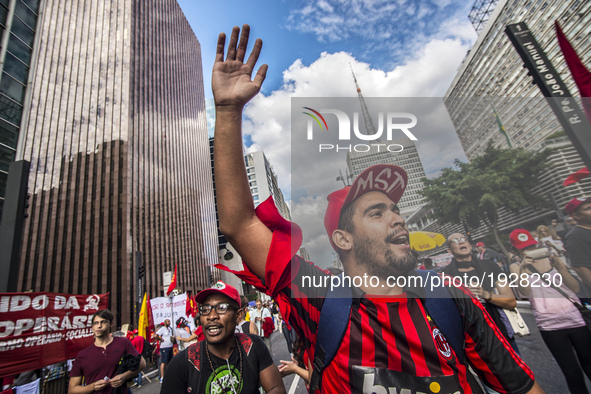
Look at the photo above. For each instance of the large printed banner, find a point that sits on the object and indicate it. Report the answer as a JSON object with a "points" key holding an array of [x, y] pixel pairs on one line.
{"points": [[170, 308], [40, 329]]}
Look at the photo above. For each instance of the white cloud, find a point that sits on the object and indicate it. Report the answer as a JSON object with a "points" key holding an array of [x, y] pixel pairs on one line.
{"points": [[268, 121]]}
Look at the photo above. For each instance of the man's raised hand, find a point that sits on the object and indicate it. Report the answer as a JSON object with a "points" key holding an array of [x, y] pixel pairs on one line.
{"points": [[231, 80]]}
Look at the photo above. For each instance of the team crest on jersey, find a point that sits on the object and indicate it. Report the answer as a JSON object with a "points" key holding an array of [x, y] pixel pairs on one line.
{"points": [[442, 344]]}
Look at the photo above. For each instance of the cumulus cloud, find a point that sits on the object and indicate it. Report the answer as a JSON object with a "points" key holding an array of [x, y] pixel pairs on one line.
{"points": [[383, 25], [268, 118]]}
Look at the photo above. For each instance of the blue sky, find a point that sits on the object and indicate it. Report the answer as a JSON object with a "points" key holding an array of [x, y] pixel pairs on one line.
{"points": [[382, 33], [400, 48]]}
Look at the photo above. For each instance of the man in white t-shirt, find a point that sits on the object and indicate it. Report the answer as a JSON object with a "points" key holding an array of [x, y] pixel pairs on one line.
{"points": [[258, 316], [165, 336]]}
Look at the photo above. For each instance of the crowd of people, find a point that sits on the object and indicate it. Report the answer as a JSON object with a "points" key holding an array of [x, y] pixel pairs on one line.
{"points": [[377, 338]]}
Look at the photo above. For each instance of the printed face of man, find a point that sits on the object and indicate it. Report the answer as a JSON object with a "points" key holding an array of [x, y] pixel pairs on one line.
{"points": [[459, 245], [219, 328], [380, 239]]}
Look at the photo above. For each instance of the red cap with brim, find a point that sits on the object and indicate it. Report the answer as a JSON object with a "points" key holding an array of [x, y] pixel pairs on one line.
{"points": [[479, 244], [219, 288], [386, 178], [573, 204], [522, 239]]}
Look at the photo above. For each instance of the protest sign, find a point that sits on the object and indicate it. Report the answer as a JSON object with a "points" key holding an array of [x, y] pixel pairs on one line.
{"points": [[39, 329]]}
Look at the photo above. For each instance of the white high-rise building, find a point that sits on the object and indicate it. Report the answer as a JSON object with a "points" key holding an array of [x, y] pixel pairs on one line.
{"points": [[408, 159], [493, 74], [263, 182]]}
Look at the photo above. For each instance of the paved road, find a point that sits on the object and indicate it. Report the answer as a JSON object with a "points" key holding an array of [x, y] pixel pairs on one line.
{"points": [[533, 350], [535, 353]]}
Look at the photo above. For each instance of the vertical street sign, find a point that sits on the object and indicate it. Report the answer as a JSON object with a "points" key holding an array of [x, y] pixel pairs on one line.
{"points": [[139, 281], [565, 107]]}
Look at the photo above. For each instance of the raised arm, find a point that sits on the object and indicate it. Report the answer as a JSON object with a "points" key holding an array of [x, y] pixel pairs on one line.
{"points": [[232, 89]]}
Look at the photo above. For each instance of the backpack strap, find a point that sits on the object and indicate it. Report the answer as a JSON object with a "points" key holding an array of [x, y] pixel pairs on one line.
{"points": [[335, 317], [443, 310], [333, 322]]}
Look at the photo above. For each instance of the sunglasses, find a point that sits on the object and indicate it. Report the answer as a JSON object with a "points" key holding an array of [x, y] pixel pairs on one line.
{"points": [[458, 241]]}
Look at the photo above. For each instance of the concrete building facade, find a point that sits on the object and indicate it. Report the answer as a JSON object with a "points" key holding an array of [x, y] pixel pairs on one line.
{"points": [[493, 74]]}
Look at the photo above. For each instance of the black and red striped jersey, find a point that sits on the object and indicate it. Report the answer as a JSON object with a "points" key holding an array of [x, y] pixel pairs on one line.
{"points": [[391, 345]]}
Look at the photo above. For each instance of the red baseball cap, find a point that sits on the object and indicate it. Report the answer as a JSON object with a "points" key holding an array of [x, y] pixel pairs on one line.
{"points": [[221, 288], [386, 178], [573, 204], [480, 244], [522, 239]]}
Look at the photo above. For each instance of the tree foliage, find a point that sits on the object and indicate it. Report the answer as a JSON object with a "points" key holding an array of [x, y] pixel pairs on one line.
{"points": [[475, 191]]}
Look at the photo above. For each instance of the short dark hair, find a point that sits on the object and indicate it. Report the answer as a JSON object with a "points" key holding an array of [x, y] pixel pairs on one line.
{"points": [[243, 302], [346, 219], [105, 314]]}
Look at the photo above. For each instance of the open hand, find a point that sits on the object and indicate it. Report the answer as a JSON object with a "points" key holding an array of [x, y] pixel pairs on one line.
{"points": [[231, 80]]}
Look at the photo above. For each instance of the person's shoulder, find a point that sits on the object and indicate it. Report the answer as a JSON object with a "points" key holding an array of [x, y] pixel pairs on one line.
{"points": [[578, 233], [250, 341], [122, 343], [488, 265], [448, 268]]}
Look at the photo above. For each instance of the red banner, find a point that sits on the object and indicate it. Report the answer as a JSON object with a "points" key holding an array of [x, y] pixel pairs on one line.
{"points": [[40, 329]]}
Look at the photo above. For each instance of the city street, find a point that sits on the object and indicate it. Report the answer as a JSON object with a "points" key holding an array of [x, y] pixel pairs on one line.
{"points": [[535, 353], [533, 350]]}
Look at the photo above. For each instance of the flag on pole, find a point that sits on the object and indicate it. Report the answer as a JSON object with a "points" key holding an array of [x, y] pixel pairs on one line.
{"points": [[191, 309], [501, 128], [172, 285], [146, 321], [580, 73]]}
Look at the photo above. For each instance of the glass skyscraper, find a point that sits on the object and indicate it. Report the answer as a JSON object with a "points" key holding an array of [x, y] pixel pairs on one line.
{"points": [[116, 134], [18, 26]]}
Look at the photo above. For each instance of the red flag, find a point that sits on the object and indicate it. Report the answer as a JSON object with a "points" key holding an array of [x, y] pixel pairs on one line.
{"points": [[576, 176], [172, 282], [580, 73], [191, 307]]}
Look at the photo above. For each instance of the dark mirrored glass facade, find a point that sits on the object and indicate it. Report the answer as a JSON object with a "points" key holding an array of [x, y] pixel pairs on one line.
{"points": [[117, 139], [18, 27]]}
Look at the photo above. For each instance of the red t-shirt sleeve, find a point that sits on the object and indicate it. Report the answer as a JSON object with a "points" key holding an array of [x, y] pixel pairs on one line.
{"points": [[130, 349], [286, 241]]}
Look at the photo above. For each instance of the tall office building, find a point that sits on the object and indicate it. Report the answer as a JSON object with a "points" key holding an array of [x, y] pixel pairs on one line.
{"points": [[18, 28], [263, 182], [114, 127], [493, 74], [408, 159]]}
